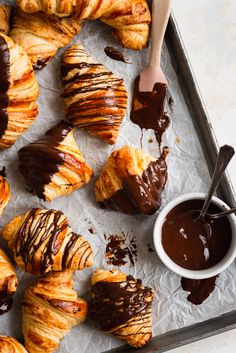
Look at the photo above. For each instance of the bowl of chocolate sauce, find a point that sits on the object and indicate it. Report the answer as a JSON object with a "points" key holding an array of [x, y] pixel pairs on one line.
{"points": [[192, 248]]}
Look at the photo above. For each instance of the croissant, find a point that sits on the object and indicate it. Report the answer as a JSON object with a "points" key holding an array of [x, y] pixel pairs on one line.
{"points": [[10, 345], [5, 193], [42, 241], [132, 181], [42, 35], [129, 18], [50, 309], [18, 91], [95, 99], [5, 14], [8, 283], [53, 165], [121, 306]]}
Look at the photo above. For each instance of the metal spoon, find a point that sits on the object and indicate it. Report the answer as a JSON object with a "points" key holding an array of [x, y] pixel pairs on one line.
{"points": [[221, 214], [225, 155]]}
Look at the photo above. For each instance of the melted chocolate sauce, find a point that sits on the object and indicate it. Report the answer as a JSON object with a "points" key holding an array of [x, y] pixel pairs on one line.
{"points": [[199, 289], [120, 249], [148, 109], [41, 159], [4, 84], [113, 304], [5, 302], [193, 244], [115, 55], [141, 194]]}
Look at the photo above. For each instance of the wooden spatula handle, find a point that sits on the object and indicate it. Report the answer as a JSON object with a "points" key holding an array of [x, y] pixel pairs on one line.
{"points": [[160, 15]]}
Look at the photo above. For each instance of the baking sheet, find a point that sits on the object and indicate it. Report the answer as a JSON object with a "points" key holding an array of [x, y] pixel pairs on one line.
{"points": [[187, 173]]}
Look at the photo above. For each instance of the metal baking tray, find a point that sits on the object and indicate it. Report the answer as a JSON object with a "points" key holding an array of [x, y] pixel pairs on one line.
{"points": [[197, 109]]}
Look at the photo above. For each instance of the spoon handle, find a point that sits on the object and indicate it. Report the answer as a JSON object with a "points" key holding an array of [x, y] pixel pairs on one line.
{"points": [[221, 214], [225, 154], [160, 15]]}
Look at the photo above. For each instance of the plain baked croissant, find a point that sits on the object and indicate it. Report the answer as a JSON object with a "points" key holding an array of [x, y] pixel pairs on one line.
{"points": [[50, 309], [121, 306], [8, 283], [10, 345], [42, 241], [53, 165], [5, 193], [42, 35], [129, 18], [94, 97], [132, 181], [5, 14], [18, 91]]}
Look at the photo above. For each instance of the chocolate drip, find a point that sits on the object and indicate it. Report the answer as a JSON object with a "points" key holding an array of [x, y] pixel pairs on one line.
{"points": [[5, 302], [113, 304], [199, 290], [141, 194], [4, 84], [3, 172], [193, 244], [148, 109], [41, 159], [115, 55], [41, 63]]}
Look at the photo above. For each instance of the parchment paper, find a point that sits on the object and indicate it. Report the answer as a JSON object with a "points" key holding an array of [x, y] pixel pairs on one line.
{"points": [[187, 173]]}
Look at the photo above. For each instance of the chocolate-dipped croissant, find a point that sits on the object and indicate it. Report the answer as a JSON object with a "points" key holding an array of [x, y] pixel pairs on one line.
{"points": [[42, 35], [53, 165], [5, 193], [5, 14], [132, 181], [8, 283], [129, 18], [94, 97], [50, 309], [18, 91], [42, 241], [121, 306], [10, 345]]}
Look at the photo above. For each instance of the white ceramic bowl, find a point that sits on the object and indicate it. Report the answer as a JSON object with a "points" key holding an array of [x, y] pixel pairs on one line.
{"points": [[193, 274]]}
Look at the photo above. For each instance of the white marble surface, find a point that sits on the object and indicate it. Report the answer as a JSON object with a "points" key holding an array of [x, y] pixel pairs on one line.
{"points": [[208, 29]]}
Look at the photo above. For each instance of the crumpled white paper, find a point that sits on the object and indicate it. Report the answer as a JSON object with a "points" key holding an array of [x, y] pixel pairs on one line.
{"points": [[187, 173]]}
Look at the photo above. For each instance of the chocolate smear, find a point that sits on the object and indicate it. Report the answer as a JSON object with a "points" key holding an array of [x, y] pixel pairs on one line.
{"points": [[116, 55], [171, 103], [199, 290], [4, 84], [3, 172], [5, 302], [120, 249], [91, 230]]}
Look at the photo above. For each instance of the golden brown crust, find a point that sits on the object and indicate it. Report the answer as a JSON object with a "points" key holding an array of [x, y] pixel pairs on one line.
{"points": [[19, 107], [129, 18], [53, 165], [50, 309], [42, 35], [8, 279], [5, 14], [42, 241], [5, 193], [10, 345], [111, 287], [94, 97]]}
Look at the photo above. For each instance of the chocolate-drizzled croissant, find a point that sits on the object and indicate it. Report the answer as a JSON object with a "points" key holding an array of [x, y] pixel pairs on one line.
{"points": [[121, 306], [129, 18], [50, 309], [10, 345], [18, 91], [42, 241], [53, 165], [5, 14], [94, 97], [42, 35], [8, 283], [5, 193], [132, 181]]}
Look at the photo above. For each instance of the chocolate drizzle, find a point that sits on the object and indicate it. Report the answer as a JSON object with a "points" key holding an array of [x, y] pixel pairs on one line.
{"points": [[5, 302], [120, 249], [4, 84], [115, 303], [39, 160], [115, 55], [148, 109], [141, 194], [199, 290]]}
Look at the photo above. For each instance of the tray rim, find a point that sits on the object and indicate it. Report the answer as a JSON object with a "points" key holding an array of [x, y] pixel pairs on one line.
{"points": [[194, 100]]}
